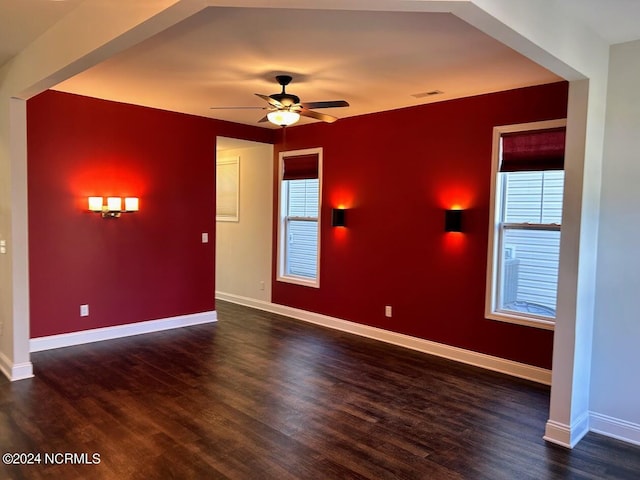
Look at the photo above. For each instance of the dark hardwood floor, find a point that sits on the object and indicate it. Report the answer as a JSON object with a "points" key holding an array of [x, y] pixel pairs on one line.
{"points": [[259, 396]]}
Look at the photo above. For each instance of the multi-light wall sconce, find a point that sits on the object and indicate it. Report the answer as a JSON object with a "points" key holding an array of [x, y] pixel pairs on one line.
{"points": [[453, 221], [338, 217], [113, 207]]}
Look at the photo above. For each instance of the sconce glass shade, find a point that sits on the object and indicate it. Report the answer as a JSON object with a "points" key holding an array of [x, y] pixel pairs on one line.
{"points": [[283, 118], [95, 204], [131, 204], [114, 204]]}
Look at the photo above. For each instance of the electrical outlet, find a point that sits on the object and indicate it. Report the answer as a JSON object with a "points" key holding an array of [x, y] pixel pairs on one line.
{"points": [[205, 237], [1, 329], [261, 284], [84, 310], [387, 311]]}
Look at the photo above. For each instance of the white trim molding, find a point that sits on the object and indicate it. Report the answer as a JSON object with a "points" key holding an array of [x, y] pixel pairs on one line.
{"points": [[15, 371], [119, 331], [566, 435], [496, 364], [615, 428]]}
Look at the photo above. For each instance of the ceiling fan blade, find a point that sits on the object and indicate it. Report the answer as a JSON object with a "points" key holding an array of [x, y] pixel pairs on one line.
{"points": [[326, 104], [270, 100], [317, 115]]}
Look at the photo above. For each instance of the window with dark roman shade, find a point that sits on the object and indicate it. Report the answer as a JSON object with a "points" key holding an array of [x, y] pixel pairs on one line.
{"points": [[300, 167], [533, 151]]}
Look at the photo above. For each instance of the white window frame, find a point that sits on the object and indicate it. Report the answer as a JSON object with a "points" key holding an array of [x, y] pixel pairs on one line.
{"points": [[282, 219], [493, 256], [235, 177]]}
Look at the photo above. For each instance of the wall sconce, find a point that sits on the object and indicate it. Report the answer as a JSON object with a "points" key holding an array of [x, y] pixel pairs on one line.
{"points": [[113, 208], [338, 217], [453, 221]]}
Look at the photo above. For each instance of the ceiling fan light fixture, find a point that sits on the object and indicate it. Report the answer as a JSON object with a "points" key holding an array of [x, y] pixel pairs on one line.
{"points": [[283, 118]]}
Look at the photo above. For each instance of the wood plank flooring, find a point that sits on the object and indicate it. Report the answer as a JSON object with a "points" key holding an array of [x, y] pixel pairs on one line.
{"points": [[260, 396]]}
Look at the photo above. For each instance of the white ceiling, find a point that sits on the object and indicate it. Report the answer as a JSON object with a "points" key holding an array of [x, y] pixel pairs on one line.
{"points": [[374, 60]]}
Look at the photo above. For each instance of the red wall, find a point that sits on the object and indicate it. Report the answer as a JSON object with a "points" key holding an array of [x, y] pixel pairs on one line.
{"points": [[397, 172], [142, 266]]}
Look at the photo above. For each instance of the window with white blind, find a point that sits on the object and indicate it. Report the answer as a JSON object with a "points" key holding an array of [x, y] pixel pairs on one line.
{"points": [[228, 189], [524, 250], [299, 223]]}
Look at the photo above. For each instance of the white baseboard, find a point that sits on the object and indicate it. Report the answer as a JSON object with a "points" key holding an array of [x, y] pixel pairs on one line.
{"points": [[119, 331], [15, 371], [567, 435], [509, 367], [615, 428]]}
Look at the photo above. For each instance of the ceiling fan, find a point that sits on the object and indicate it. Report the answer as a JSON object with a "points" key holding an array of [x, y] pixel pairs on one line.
{"points": [[285, 108]]}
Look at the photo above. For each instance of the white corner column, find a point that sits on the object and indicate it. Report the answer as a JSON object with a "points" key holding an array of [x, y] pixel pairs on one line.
{"points": [[570, 386], [21, 364], [14, 271]]}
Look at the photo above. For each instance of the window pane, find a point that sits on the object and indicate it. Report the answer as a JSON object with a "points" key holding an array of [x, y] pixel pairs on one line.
{"points": [[533, 197], [302, 248], [303, 198], [528, 271]]}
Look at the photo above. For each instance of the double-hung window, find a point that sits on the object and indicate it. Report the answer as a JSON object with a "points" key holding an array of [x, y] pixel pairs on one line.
{"points": [[524, 250], [299, 223]]}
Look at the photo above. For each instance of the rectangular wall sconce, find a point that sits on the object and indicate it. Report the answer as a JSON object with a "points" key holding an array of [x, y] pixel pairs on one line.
{"points": [[453, 221], [113, 208], [338, 217]]}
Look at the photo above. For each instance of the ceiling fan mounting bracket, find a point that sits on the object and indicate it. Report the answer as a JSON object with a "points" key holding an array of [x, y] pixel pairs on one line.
{"points": [[286, 99], [284, 80]]}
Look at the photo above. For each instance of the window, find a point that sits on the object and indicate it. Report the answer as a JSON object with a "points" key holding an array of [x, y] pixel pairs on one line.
{"points": [[227, 189], [299, 224], [524, 240]]}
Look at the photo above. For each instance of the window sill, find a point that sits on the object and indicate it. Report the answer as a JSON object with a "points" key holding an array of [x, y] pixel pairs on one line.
{"points": [[528, 321], [305, 282]]}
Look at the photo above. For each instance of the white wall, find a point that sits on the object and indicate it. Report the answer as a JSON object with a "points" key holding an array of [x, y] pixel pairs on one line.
{"points": [[243, 248], [615, 389]]}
